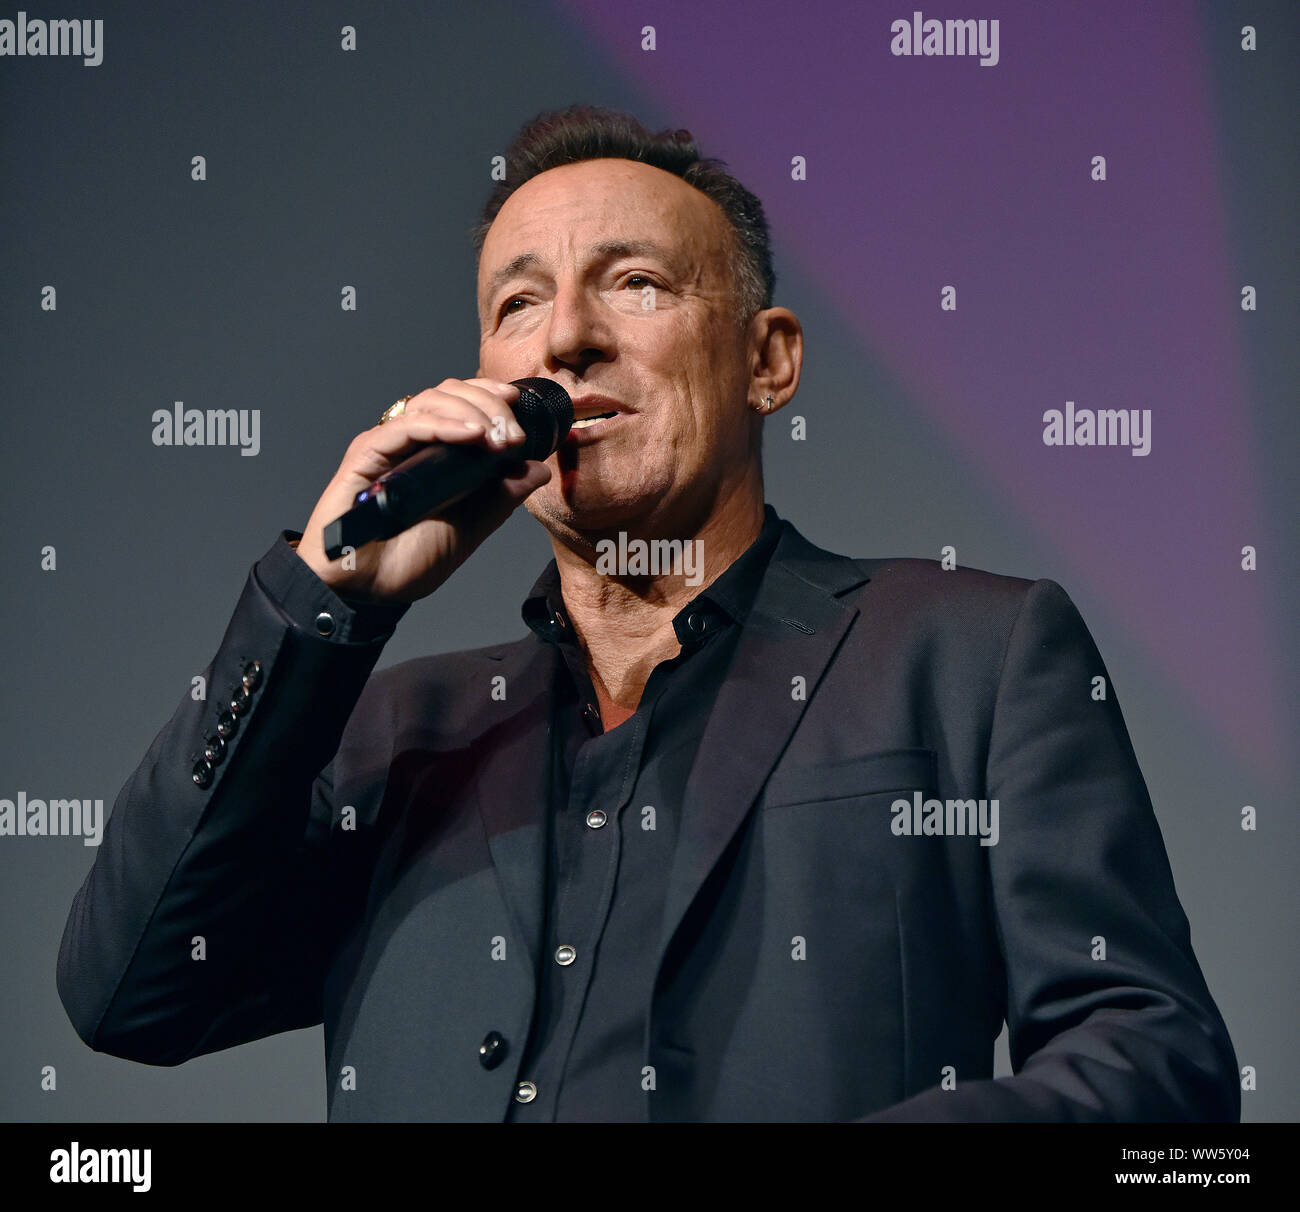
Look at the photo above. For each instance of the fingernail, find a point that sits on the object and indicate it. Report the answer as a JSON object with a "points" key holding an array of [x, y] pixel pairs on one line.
{"points": [[516, 430]]}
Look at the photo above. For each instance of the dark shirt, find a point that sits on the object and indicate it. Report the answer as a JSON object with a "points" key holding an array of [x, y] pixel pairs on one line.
{"points": [[614, 803]]}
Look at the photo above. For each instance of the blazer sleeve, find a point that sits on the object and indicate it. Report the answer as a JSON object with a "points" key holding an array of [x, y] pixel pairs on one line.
{"points": [[207, 916], [1133, 1037]]}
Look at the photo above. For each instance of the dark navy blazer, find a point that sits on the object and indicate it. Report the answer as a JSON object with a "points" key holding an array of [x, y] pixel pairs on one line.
{"points": [[370, 853]]}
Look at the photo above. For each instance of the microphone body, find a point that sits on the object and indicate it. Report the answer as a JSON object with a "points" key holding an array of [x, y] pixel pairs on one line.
{"points": [[435, 478]]}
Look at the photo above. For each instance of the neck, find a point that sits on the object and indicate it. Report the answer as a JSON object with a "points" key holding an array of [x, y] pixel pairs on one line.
{"points": [[625, 623]]}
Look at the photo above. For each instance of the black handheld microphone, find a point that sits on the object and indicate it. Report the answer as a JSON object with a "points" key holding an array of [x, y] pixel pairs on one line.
{"points": [[435, 478]]}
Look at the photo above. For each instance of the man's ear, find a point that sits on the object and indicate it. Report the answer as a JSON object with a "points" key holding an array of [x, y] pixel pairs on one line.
{"points": [[778, 360]]}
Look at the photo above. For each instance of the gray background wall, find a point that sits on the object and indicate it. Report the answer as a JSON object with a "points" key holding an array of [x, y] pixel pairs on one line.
{"points": [[328, 168]]}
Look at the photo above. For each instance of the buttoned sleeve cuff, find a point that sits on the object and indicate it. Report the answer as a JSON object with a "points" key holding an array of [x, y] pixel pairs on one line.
{"points": [[305, 601]]}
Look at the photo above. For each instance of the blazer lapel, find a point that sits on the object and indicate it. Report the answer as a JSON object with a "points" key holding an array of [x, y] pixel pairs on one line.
{"points": [[794, 627], [793, 630], [513, 785]]}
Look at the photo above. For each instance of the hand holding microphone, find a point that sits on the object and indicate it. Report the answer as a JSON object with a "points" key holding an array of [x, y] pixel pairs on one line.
{"points": [[417, 494]]}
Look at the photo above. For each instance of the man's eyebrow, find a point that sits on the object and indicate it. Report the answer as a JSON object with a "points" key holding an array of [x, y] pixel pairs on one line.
{"points": [[607, 250], [516, 265]]}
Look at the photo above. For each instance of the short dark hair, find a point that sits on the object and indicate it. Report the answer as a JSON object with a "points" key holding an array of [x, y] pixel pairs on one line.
{"points": [[588, 132]]}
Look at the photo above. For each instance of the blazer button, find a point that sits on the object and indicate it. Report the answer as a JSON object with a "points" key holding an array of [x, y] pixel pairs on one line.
{"points": [[214, 751], [202, 773], [492, 1051], [252, 675], [227, 725], [239, 701], [525, 1092], [697, 622], [325, 623]]}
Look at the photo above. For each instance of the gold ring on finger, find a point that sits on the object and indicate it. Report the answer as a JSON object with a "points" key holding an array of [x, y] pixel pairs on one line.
{"points": [[393, 410]]}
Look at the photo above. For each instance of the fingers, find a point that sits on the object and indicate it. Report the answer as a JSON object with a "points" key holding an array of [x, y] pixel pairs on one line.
{"points": [[532, 477], [484, 510], [478, 402], [458, 410]]}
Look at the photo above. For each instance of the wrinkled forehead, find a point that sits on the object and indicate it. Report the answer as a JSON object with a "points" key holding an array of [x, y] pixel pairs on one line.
{"points": [[581, 212]]}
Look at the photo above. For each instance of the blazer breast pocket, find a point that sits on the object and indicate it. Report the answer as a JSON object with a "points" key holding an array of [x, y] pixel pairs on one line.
{"points": [[866, 774]]}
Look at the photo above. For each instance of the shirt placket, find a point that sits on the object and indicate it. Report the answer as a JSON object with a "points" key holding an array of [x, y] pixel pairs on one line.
{"points": [[603, 779]]}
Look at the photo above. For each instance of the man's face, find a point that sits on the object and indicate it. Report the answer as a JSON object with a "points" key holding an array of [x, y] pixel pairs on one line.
{"points": [[595, 235]]}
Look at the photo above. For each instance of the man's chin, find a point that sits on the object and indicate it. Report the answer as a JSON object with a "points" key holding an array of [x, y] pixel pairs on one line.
{"points": [[589, 515]]}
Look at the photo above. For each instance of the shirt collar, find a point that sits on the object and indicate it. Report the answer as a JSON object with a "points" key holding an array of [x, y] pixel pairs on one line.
{"points": [[729, 598]]}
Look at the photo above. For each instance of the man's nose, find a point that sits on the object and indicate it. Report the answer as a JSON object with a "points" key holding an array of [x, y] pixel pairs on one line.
{"points": [[577, 330]]}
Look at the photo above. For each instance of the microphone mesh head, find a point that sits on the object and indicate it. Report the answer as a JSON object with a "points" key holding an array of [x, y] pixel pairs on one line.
{"points": [[545, 413]]}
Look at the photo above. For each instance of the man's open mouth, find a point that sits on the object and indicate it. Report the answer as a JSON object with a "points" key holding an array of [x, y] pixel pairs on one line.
{"points": [[586, 421]]}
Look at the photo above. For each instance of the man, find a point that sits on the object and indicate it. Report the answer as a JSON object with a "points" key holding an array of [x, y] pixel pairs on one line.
{"points": [[781, 836]]}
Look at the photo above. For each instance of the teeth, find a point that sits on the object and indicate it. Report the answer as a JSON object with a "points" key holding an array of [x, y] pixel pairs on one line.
{"points": [[586, 421]]}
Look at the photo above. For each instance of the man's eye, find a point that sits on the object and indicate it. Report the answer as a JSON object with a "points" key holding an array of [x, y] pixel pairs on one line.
{"points": [[631, 279]]}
